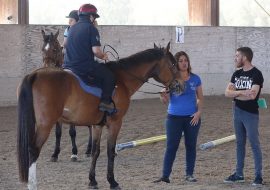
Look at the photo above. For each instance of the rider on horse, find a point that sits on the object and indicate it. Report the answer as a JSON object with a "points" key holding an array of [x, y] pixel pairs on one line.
{"points": [[83, 44]]}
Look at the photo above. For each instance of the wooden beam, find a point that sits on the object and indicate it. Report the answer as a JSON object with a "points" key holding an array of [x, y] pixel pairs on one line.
{"points": [[203, 12], [23, 12]]}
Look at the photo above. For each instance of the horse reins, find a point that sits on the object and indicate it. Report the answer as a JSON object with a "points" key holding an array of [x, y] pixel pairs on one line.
{"points": [[115, 57], [134, 76]]}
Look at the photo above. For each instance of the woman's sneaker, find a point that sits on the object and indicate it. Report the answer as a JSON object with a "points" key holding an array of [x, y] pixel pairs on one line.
{"points": [[257, 181], [190, 178], [234, 178]]}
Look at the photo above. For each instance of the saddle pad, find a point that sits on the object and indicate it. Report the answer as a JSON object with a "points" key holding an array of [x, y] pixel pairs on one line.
{"points": [[89, 89]]}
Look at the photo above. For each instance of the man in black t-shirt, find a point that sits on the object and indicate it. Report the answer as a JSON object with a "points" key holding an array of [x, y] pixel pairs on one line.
{"points": [[245, 87]]}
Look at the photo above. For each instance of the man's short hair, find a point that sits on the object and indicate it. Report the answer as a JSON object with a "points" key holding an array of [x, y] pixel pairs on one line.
{"points": [[246, 51]]}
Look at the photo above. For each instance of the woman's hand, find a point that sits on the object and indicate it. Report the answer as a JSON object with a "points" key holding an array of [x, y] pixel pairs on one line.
{"points": [[196, 117], [164, 96]]}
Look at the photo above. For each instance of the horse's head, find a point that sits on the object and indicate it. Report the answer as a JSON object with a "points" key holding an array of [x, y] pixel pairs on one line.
{"points": [[51, 49], [167, 73]]}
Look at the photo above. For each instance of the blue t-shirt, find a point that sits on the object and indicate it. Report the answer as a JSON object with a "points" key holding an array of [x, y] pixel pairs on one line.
{"points": [[186, 103], [79, 56], [66, 31]]}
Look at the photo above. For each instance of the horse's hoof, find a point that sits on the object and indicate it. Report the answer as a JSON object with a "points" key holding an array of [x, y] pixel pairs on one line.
{"points": [[116, 188], [74, 158], [54, 159], [93, 186]]}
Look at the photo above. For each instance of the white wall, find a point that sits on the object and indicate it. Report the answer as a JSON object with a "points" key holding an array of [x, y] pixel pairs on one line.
{"points": [[211, 50]]}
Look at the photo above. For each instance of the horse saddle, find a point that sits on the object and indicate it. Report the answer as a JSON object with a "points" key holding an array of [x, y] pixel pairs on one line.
{"points": [[87, 87]]}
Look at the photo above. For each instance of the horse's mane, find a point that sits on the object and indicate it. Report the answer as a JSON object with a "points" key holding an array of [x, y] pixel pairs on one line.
{"points": [[146, 56]]}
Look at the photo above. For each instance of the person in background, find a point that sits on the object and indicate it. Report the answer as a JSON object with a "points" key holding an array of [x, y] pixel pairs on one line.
{"points": [[73, 18], [82, 48], [245, 87], [184, 116]]}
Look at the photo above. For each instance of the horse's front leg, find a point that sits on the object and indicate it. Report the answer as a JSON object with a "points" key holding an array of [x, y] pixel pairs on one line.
{"points": [[72, 134], [58, 134], [111, 143], [89, 146], [96, 136]]}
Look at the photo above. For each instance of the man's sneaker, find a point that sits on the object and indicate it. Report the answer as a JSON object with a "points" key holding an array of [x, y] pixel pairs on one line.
{"points": [[257, 181], [107, 107], [164, 179], [234, 178], [190, 178]]}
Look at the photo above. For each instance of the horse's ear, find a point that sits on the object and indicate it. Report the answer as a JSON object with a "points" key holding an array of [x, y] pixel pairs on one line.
{"points": [[43, 34], [155, 46], [168, 47], [56, 34]]}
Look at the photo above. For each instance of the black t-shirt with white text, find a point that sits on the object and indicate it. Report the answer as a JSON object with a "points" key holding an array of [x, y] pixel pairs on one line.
{"points": [[243, 80]]}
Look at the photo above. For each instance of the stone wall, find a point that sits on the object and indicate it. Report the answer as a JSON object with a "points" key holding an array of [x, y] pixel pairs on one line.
{"points": [[211, 50]]}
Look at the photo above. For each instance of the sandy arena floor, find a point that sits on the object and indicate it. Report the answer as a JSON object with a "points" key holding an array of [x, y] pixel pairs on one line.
{"points": [[136, 168]]}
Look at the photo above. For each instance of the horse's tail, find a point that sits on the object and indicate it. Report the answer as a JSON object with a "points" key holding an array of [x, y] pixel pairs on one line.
{"points": [[26, 125]]}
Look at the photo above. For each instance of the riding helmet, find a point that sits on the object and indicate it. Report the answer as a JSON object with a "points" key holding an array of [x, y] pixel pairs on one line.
{"points": [[88, 9]]}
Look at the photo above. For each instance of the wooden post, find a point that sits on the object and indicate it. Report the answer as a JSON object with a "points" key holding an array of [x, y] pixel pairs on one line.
{"points": [[23, 12], [203, 12]]}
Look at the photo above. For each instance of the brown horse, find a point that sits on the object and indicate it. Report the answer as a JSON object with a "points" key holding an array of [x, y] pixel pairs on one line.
{"points": [[53, 57], [51, 50], [48, 95]]}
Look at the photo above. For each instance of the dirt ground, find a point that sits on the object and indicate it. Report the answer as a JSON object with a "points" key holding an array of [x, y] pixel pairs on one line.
{"points": [[136, 168]]}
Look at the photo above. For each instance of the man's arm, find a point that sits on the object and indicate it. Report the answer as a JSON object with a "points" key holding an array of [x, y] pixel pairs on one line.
{"points": [[231, 91], [98, 53], [249, 94], [242, 94]]}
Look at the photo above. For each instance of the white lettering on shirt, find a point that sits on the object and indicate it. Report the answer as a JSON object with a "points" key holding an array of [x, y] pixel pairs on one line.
{"points": [[243, 82]]}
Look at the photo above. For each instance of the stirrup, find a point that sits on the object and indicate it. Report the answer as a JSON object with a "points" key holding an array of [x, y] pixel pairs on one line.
{"points": [[107, 108]]}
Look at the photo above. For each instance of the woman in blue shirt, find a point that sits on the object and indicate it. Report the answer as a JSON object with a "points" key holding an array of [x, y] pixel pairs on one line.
{"points": [[184, 113]]}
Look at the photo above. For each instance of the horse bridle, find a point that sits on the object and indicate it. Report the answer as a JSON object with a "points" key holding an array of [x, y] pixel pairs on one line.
{"points": [[172, 68]]}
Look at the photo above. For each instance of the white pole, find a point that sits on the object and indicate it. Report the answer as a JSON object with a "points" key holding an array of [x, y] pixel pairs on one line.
{"points": [[132, 144], [214, 143]]}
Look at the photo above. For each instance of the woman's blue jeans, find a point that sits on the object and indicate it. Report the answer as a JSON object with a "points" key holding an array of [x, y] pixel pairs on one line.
{"points": [[175, 126]]}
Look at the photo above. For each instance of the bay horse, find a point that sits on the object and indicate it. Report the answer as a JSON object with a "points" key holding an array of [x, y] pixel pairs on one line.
{"points": [[49, 94], [53, 56]]}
